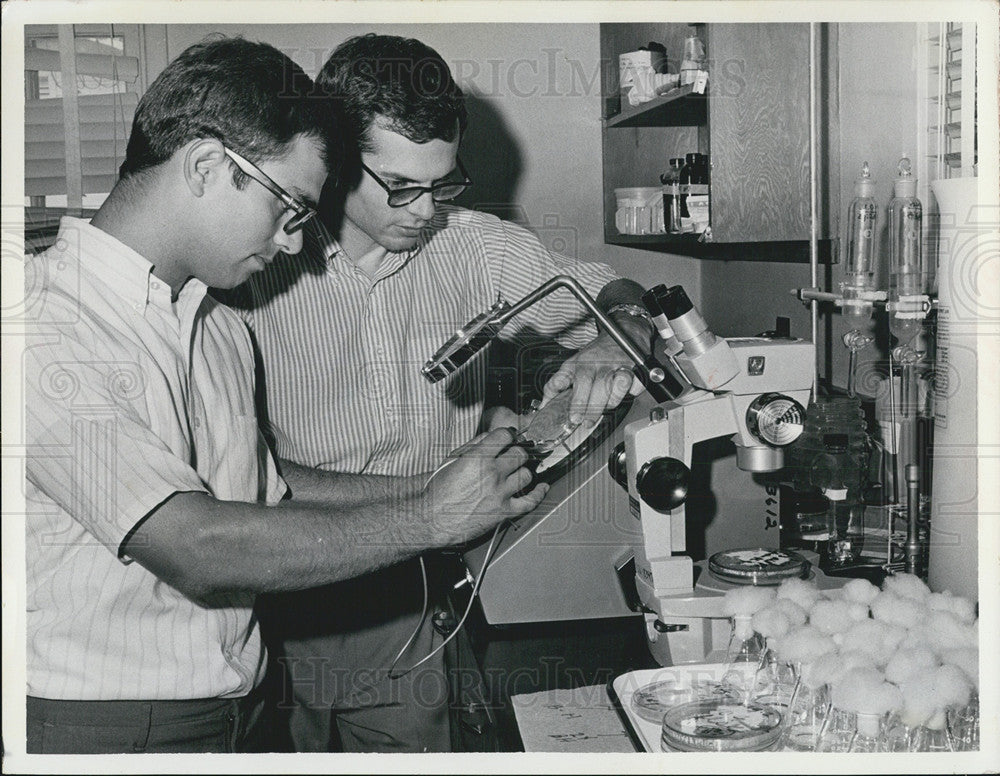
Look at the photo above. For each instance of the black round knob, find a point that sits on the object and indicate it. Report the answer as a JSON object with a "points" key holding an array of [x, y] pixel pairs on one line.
{"points": [[616, 465], [663, 483]]}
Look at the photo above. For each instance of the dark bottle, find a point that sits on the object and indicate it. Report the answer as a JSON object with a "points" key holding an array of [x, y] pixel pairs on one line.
{"points": [[688, 171], [671, 181], [698, 187], [694, 181]]}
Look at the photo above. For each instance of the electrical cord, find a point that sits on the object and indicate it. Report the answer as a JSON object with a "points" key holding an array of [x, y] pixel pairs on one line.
{"points": [[465, 615], [423, 614]]}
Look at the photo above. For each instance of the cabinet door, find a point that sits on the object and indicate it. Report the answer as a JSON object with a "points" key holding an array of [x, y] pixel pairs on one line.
{"points": [[758, 114]]}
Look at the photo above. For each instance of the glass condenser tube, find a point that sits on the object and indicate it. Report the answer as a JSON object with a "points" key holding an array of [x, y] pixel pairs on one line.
{"points": [[905, 270], [862, 240]]}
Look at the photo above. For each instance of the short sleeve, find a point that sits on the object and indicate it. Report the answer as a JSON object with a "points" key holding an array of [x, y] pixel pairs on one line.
{"points": [[518, 263], [90, 448]]}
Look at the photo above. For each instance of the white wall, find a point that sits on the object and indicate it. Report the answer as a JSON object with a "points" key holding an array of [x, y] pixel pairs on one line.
{"points": [[534, 144]]}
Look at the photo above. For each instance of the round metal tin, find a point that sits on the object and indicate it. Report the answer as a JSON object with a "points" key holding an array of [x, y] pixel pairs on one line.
{"points": [[757, 565]]}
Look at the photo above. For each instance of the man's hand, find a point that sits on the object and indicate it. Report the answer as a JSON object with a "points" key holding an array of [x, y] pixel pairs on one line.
{"points": [[476, 490], [500, 417], [600, 375]]}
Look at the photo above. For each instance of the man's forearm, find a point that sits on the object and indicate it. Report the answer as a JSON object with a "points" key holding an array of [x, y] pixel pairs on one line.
{"points": [[626, 296], [203, 546], [339, 490], [620, 291]]}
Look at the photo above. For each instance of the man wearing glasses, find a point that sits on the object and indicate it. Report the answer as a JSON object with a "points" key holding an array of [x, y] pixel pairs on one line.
{"points": [[344, 327], [155, 510]]}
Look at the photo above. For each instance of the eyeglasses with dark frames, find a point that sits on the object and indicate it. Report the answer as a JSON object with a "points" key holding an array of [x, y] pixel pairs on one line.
{"points": [[440, 192], [302, 212]]}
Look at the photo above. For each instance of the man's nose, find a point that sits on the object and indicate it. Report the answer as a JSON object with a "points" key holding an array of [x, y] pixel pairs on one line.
{"points": [[288, 243], [423, 206]]}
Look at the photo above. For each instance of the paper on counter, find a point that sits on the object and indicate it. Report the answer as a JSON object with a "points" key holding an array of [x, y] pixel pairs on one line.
{"points": [[578, 720]]}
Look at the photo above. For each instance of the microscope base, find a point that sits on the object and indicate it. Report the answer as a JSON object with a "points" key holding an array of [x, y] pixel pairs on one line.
{"points": [[691, 628]]}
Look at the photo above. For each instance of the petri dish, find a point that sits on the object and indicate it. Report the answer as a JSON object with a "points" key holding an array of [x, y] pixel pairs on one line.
{"points": [[757, 565], [720, 725], [547, 431], [653, 700]]}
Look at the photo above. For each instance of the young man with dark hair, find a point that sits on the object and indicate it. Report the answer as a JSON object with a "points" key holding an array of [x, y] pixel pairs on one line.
{"points": [[155, 510], [404, 271]]}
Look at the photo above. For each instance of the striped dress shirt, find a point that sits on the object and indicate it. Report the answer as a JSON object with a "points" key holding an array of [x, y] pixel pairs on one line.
{"points": [[130, 398], [342, 351]]}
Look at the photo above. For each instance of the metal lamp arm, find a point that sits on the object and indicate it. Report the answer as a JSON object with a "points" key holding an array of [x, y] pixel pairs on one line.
{"points": [[648, 370]]}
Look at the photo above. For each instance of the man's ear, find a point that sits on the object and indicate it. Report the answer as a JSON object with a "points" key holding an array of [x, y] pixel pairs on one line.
{"points": [[204, 163]]}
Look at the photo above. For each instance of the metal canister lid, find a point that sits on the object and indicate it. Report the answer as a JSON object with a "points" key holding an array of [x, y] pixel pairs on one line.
{"points": [[720, 726], [758, 565]]}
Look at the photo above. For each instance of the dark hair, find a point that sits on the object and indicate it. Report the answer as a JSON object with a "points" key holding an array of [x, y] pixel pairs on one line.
{"points": [[248, 95], [401, 82]]}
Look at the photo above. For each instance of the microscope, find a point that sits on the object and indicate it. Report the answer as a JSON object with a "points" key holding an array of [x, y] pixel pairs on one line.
{"points": [[700, 387], [750, 389]]}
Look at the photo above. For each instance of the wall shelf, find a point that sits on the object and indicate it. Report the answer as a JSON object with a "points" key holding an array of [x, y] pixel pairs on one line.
{"points": [[752, 123], [679, 107], [794, 251]]}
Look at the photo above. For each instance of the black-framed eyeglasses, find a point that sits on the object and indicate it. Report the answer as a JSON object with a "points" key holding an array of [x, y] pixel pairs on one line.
{"points": [[440, 192], [302, 212]]}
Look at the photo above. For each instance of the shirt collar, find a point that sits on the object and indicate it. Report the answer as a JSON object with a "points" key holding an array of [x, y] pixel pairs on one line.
{"points": [[119, 267], [331, 252]]}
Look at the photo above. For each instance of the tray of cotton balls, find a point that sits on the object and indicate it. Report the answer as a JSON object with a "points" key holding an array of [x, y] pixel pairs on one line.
{"points": [[855, 668]]}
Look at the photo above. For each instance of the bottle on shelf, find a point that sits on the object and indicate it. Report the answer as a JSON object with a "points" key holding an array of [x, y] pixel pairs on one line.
{"points": [[694, 183], [694, 58], [671, 181], [698, 195]]}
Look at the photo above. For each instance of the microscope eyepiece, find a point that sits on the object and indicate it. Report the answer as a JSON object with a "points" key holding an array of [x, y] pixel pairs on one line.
{"points": [[675, 303]]}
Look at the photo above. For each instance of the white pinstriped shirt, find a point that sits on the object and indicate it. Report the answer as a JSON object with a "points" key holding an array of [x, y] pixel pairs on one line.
{"points": [[342, 351], [130, 399]]}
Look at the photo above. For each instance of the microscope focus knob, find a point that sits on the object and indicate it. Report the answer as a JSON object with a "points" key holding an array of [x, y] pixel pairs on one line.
{"points": [[616, 465], [663, 483]]}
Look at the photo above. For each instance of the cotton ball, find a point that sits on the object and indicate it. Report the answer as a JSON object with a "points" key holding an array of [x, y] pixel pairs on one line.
{"points": [[831, 666], [964, 609], [960, 606], [951, 686], [746, 600], [822, 670], [916, 638], [860, 591], [907, 586], [897, 610], [796, 614], [945, 631], [919, 701], [909, 662], [800, 591], [879, 639], [803, 645], [831, 616], [771, 622], [967, 659], [864, 690]]}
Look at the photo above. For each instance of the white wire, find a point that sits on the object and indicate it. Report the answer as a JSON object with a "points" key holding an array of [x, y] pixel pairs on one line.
{"points": [[423, 613], [465, 615]]}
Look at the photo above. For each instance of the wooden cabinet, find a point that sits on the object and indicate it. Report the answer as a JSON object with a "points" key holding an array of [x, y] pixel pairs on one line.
{"points": [[753, 122]]}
